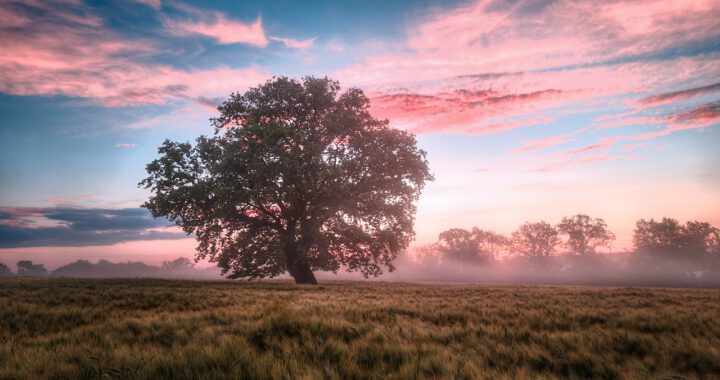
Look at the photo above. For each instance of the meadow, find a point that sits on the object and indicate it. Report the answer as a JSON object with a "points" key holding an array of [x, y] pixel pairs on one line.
{"points": [[176, 329]]}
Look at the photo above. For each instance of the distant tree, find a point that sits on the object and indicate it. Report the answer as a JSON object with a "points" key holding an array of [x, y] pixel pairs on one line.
{"points": [[702, 238], [27, 268], [179, 264], [536, 241], [584, 234], [475, 246], [670, 238], [5, 270], [297, 178], [490, 242], [428, 255], [660, 238], [459, 245]]}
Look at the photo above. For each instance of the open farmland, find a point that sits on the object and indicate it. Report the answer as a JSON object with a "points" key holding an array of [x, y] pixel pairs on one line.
{"points": [[143, 329]]}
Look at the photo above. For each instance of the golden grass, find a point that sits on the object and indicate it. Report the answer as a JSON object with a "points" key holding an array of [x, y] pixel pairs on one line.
{"points": [[148, 329]]}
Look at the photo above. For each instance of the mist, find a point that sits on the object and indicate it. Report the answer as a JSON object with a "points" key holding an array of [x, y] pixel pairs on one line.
{"points": [[617, 269]]}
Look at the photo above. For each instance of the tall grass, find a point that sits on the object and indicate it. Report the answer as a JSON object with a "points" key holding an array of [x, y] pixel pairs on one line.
{"points": [[147, 329]]}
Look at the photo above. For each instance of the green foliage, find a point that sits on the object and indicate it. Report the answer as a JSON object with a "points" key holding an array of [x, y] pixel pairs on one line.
{"points": [[298, 177], [584, 234], [154, 329]]}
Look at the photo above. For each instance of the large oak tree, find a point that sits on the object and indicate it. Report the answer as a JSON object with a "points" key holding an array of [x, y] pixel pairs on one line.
{"points": [[298, 177]]}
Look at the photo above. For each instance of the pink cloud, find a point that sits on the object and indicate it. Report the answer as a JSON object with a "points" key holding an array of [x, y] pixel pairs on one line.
{"points": [[698, 117], [563, 34], [570, 159], [547, 142], [66, 55], [295, 44], [629, 121], [572, 163], [226, 31], [151, 3], [674, 96], [464, 110], [528, 48], [335, 46], [630, 147]]}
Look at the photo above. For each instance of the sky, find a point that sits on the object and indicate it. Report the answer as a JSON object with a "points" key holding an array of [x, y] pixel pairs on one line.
{"points": [[528, 110]]}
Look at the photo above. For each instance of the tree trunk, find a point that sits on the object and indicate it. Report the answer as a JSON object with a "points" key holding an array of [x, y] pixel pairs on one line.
{"points": [[298, 267], [302, 273]]}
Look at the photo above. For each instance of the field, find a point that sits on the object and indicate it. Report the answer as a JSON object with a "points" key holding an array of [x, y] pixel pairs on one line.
{"points": [[146, 329]]}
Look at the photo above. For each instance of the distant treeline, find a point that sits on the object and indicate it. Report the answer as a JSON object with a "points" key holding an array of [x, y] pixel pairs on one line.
{"points": [[666, 252], [180, 267]]}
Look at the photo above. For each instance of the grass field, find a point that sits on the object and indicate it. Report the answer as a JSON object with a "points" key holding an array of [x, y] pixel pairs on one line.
{"points": [[146, 329]]}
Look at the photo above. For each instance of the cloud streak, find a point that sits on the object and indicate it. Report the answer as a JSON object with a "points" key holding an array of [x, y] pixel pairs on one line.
{"points": [[674, 96], [222, 29], [547, 142], [295, 44]]}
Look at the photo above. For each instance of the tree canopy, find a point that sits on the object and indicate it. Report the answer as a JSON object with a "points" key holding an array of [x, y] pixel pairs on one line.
{"points": [[475, 246], [179, 264], [669, 237], [298, 177], [536, 241], [27, 268], [584, 234]]}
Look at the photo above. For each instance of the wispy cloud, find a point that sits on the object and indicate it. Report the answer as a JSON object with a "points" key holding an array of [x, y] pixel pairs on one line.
{"points": [[156, 4], [125, 145], [557, 54], [63, 50], [295, 44], [547, 142], [335, 45], [674, 96], [221, 28], [463, 110]]}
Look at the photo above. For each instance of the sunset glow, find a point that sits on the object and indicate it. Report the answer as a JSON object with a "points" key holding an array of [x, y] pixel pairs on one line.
{"points": [[528, 110]]}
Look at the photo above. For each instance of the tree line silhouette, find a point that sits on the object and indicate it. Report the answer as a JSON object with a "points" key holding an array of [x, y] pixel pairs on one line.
{"points": [[576, 250], [181, 266], [579, 235]]}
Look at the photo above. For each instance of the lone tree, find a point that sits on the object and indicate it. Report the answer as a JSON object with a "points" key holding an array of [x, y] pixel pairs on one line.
{"points": [[536, 241], [584, 234], [298, 177]]}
